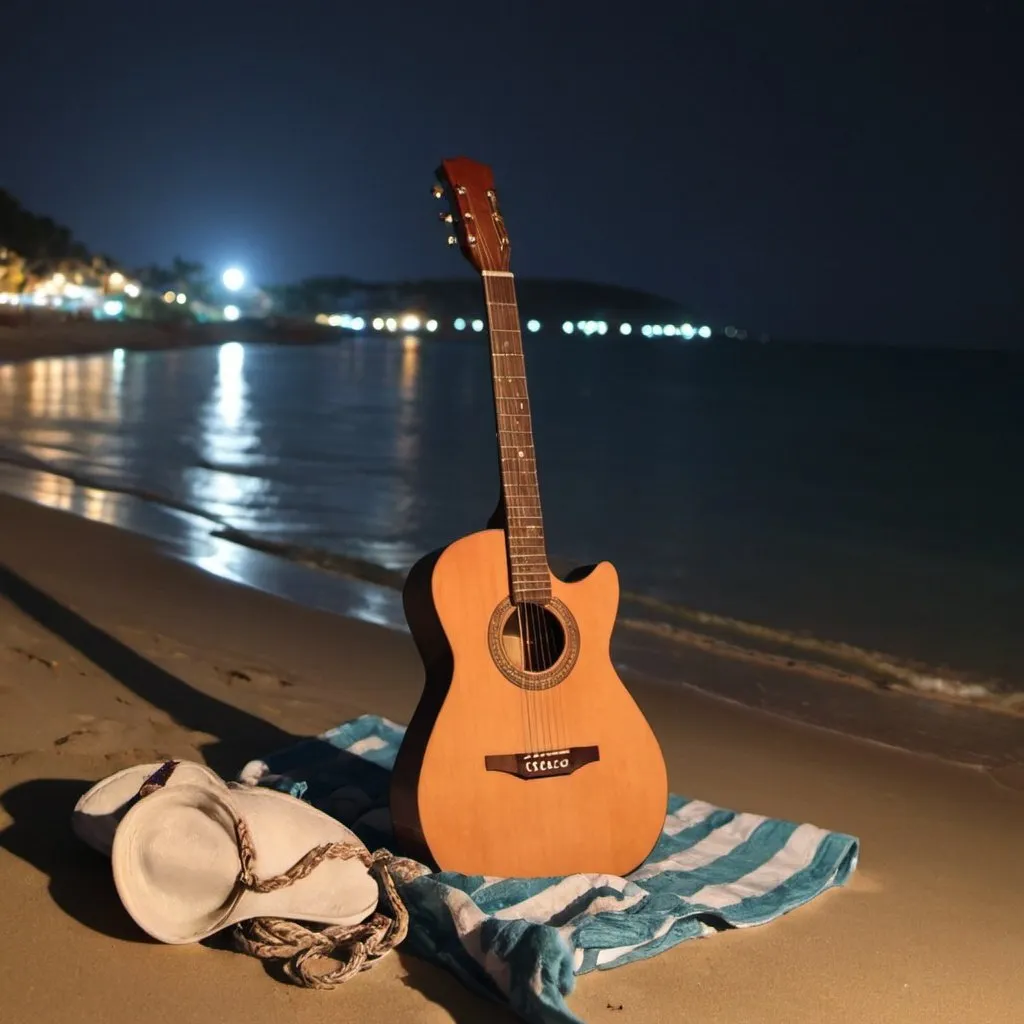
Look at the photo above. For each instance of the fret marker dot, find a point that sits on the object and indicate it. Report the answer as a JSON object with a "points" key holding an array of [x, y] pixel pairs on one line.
{"points": [[520, 455]]}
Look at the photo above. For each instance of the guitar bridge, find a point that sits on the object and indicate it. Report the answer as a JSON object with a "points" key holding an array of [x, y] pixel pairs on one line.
{"points": [[544, 764]]}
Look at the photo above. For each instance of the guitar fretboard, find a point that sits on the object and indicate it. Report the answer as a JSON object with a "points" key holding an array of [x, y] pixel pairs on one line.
{"points": [[527, 553]]}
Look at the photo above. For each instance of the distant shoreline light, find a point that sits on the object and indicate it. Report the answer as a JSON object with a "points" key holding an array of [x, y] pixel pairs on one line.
{"points": [[409, 322], [233, 279], [414, 323]]}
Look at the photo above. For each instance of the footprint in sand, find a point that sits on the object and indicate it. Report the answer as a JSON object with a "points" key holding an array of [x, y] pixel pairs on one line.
{"points": [[102, 736], [30, 656], [260, 678]]}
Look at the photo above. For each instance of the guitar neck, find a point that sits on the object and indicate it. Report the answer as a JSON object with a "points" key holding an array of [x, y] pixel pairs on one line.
{"points": [[527, 553]]}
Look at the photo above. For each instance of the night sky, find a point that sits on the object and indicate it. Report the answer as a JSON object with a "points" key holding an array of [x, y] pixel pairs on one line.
{"points": [[846, 170]]}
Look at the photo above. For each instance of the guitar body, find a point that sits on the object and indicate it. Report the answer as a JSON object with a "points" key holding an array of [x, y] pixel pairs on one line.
{"points": [[513, 772]]}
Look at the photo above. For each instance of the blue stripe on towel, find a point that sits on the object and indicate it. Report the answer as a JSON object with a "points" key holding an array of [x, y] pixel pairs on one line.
{"points": [[524, 940]]}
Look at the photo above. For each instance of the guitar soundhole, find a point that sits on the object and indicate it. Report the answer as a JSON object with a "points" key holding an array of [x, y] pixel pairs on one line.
{"points": [[533, 638], [534, 645]]}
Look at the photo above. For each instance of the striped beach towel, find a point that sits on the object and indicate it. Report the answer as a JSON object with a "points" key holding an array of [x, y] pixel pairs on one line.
{"points": [[523, 941]]}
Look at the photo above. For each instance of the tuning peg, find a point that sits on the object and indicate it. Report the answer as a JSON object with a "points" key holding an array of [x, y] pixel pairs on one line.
{"points": [[437, 192], [446, 218], [452, 240]]}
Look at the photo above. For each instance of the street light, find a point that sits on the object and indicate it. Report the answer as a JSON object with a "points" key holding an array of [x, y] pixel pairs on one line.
{"points": [[233, 279]]}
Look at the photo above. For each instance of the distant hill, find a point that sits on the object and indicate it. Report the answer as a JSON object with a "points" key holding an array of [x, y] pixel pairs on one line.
{"points": [[547, 299], [33, 237]]}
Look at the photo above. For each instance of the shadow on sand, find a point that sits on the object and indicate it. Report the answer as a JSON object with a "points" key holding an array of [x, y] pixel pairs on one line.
{"points": [[40, 834]]}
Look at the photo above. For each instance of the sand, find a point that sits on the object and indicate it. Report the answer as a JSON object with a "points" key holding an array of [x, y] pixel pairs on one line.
{"points": [[111, 654]]}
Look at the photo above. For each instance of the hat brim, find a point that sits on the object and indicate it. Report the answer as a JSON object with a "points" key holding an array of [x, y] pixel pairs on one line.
{"points": [[95, 817], [176, 863]]}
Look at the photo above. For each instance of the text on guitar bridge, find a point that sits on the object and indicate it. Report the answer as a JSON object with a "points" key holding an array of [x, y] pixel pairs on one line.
{"points": [[542, 764]]}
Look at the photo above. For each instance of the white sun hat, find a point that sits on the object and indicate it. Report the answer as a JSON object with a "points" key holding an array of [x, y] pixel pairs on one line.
{"points": [[189, 860], [97, 813]]}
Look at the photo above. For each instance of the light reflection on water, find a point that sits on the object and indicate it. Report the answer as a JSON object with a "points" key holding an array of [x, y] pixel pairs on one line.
{"points": [[60, 493], [188, 538], [228, 482], [85, 390], [193, 426]]}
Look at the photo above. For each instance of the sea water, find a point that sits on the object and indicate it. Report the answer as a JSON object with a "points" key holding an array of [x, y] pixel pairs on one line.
{"points": [[858, 507]]}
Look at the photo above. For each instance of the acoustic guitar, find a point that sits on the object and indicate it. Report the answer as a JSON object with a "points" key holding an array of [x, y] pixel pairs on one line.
{"points": [[526, 755]]}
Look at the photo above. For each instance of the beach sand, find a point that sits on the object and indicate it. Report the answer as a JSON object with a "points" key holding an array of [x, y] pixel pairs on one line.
{"points": [[111, 655]]}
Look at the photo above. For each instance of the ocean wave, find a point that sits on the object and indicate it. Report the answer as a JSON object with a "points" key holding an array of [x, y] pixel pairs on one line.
{"points": [[643, 614]]}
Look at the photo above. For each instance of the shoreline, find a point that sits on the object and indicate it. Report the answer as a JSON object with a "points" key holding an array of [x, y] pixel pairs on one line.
{"points": [[932, 725], [45, 339], [113, 654]]}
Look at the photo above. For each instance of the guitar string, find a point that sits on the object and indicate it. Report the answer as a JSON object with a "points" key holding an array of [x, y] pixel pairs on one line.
{"points": [[551, 697], [533, 739], [538, 649], [534, 659], [525, 703]]}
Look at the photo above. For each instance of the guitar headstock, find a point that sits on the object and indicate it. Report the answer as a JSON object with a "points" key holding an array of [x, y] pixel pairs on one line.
{"points": [[473, 215]]}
